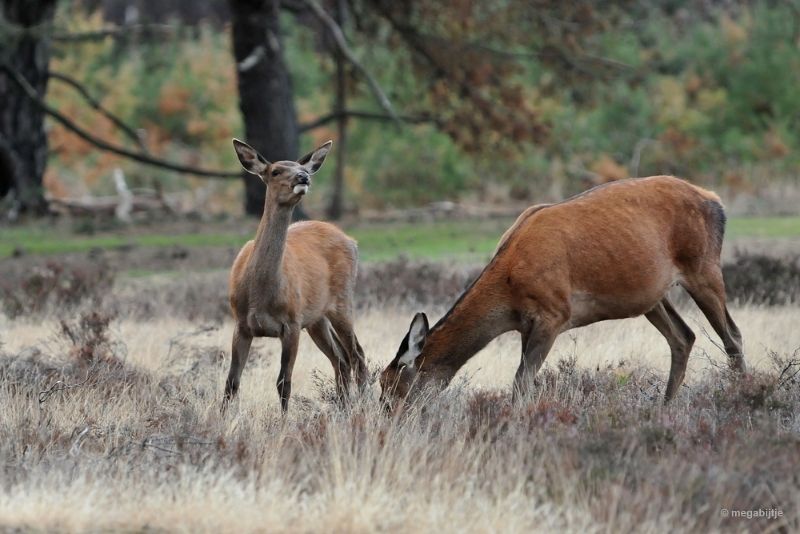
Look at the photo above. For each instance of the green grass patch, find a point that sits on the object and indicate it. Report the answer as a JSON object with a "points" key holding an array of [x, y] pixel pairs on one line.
{"points": [[468, 241], [454, 240], [763, 227]]}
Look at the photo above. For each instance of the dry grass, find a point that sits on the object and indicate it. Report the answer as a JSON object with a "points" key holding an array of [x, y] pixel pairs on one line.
{"points": [[140, 443]]}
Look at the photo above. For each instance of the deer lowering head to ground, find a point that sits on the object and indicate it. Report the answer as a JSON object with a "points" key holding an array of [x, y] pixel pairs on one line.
{"points": [[292, 277], [610, 253]]}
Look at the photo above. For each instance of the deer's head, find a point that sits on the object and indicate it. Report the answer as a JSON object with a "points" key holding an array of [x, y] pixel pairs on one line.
{"points": [[401, 376], [287, 181]]}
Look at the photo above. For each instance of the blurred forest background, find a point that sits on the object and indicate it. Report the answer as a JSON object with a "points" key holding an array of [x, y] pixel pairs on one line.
{"points": [[478, 102]]}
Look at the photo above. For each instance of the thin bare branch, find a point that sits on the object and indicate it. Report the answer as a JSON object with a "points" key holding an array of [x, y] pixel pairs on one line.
{"points": [[31, 93], [325, 119], [130, 132], [338, 36], [619, 65]]}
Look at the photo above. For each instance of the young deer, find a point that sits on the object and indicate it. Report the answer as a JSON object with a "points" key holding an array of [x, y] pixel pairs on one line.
{"points": [[610, 253], [292, 277]]}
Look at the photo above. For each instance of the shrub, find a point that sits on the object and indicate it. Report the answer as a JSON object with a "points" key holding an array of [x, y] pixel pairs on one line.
{"points": [[761, 279], [56, 284]]}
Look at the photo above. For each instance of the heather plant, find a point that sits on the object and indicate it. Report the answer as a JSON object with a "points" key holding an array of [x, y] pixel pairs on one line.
{"points": [[106, 417], [584, 451], [54, 285], [762, 279]]}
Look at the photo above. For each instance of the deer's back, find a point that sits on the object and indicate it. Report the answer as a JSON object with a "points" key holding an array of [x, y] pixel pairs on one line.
{"points": [[630, 239]]}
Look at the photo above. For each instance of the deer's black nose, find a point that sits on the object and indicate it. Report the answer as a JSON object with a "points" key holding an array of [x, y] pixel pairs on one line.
{"points": [[302, 178]]}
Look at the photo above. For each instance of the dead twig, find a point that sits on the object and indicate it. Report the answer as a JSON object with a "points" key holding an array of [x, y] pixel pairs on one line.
{"points": [[60, 385], [707, 335], [789, 368]]}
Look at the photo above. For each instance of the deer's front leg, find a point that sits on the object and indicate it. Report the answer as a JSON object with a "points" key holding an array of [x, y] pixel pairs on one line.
{"points": [[290, 341], [538, 345], [239, 352]]}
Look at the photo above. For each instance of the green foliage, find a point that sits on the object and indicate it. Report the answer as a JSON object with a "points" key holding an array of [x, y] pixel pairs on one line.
{"points": [[408, 169], [717, 97], [179, 92]]}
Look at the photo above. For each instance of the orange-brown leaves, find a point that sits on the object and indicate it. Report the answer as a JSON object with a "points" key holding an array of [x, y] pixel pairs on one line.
{"points": [[609, 170], [174, 99]]}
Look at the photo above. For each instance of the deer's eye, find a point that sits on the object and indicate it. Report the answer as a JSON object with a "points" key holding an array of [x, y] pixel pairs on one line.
{"points": [[276, 172]]}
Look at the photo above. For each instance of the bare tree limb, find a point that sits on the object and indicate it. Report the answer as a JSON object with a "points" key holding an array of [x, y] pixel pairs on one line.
{"points": [[295, 6], [325, 119], [130, 132], [99, 143], [338, 36]]}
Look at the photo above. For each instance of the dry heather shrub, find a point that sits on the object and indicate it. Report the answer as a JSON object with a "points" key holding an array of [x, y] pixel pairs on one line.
{"points": [[89, 338], [588, 449], [204, 296], [417, 283], [54, 285], [85, 354], [761, 279], [193, 296]]}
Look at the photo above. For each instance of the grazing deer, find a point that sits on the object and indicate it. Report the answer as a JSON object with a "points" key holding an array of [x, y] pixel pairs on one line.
{"points": [[292, 277], [610, 253]]}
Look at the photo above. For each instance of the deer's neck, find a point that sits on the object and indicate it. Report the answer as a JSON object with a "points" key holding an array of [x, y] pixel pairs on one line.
{"points": [[480, 315], [269, 245]]}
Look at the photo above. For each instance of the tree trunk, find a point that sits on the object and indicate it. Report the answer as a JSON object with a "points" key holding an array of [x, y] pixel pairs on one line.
{"points": [[265, 92], [336, 207], [23, 143]]}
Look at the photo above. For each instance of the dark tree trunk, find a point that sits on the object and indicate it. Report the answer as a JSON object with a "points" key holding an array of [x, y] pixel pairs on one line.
{"points": [[265, 93], [336, 207], [23, 143]]}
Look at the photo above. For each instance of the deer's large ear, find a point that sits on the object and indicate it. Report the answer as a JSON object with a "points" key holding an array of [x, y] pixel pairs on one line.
{"points": [[251, 160], [416, 340], [312, 161]]}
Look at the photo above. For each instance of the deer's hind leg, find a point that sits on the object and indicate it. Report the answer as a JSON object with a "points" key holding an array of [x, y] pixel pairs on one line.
{"points": [[680, 339], [325, 337], [708, 291], [344, 329]]}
